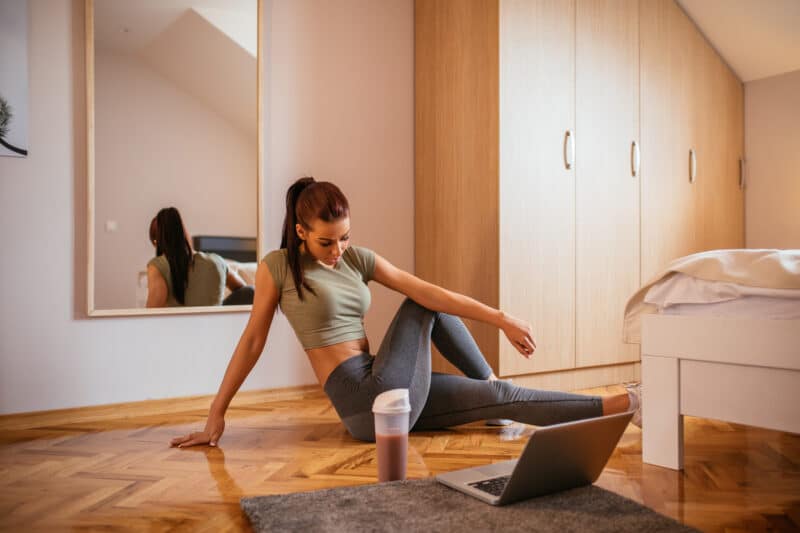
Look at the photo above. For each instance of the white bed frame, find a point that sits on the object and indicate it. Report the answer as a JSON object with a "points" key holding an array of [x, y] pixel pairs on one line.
{"points": [[745, 371]]}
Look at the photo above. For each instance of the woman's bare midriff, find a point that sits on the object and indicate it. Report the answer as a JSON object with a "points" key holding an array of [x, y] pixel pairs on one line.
{"points": [[325, 358]]}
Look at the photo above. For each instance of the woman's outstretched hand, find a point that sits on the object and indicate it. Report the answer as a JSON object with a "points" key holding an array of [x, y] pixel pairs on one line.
{"points": [[520, 334], [215, 425]]}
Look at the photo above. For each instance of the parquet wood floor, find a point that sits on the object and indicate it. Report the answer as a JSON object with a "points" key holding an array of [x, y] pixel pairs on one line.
{"points": [[87, 473]]}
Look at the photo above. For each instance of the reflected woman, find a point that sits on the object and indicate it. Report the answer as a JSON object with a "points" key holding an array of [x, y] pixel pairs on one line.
{"points": [[179, 276]]}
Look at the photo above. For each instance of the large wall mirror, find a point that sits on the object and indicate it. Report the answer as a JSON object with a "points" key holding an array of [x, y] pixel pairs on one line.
{"points": [[173, 120]]}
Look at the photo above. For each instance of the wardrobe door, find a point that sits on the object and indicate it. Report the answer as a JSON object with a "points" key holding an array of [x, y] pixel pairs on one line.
{"points": [[733, 229], [668, 220], [607, 199], [456, 154], [727, 202], [707, 125], [537, 180], [719, 211], [717, 185]]}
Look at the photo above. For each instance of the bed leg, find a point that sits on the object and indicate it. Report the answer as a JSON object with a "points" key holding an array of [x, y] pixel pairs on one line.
{"points": [[662, 422]]}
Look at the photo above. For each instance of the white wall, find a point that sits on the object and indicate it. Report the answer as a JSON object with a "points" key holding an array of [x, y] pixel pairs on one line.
{"points": [[13, 70], [158, 146], [353, 125], [341, 105], [772, 148]]}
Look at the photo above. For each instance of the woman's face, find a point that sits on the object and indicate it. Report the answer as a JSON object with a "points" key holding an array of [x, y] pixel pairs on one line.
{"points": [[326, 241]]}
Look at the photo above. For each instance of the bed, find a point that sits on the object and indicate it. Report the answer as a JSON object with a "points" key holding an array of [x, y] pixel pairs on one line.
{"points": [[720, 338], [239, 253]]}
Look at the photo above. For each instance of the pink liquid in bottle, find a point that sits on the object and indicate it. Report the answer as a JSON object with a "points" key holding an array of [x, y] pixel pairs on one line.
{"points": [[392, 456]]}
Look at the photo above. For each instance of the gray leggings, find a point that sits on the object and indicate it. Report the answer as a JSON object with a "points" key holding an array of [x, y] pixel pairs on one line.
{"points": [[440, 400]]}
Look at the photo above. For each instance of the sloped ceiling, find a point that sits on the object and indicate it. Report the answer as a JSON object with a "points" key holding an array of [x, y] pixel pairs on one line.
{"points": [[206, 48], [757, 38], [202, 60]]}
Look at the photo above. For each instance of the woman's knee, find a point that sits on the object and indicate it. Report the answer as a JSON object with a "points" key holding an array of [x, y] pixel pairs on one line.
{"points": [[503, 390], [362, 434], [409, 304], [361, 427], [412, 306], [241, 296]]}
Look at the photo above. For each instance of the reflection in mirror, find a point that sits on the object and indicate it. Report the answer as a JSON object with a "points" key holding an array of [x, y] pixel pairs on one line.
{"points": [[179, 275], [175, 126]]}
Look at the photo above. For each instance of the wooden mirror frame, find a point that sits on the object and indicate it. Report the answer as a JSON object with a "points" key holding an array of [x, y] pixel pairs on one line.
{"points": [[90, 188]]}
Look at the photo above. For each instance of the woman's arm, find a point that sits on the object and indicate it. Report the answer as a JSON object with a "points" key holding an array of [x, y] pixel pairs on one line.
{"points": [[252, 342], [233, 280], [244, 358], [157, 291], [440, 299]]}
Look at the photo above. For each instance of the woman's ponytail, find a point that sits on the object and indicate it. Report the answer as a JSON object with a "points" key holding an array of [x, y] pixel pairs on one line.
{"points": [[169, 235], [307, 200], [289, 236], [290, 240]]}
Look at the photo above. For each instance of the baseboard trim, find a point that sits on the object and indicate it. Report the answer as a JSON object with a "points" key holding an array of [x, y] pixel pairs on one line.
{"points": [[95, 413], [581, 378]]}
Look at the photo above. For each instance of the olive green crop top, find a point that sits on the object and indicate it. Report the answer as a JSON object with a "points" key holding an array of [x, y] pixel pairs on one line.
{"points": [[336, 313], [207, 276]]}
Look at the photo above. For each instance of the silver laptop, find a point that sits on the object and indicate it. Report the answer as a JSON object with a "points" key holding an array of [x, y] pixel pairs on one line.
{"points": [[556, 458]]}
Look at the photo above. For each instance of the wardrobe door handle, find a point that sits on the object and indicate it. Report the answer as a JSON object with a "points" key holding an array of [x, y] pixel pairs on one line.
{"points": [[569, 150], [635, 159], [692, 166], [741, 173]]}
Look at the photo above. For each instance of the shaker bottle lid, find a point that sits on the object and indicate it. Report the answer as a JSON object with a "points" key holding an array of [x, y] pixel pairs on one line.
{"points": [[392, 401]]}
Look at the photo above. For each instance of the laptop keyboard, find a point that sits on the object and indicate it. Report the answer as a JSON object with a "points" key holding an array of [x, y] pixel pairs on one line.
{"points": [[493, 486]]}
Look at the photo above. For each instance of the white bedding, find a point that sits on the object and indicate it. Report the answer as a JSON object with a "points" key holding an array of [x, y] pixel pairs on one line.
{"points": [[744, 307], [732, 275], [681, 294], [247, 271]]}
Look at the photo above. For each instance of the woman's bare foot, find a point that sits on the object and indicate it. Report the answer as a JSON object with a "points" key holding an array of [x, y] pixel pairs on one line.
{"points": [[634, 389], [619, 403], [630, 401]]}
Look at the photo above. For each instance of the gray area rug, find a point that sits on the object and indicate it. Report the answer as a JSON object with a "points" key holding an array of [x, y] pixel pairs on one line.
{"points": [[426, 505]]}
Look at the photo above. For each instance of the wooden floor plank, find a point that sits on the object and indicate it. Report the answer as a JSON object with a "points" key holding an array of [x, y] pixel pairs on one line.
{"points": [[89, 470]]}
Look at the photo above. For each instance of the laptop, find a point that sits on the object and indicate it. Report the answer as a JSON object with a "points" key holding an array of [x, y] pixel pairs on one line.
{"points": [[556, 458]]}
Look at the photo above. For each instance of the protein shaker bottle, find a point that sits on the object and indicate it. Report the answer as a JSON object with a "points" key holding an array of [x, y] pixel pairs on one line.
{"points": [[391, 409]]}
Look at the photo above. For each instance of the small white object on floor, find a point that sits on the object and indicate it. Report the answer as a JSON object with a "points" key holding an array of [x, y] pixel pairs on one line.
{"points": [[499, 422], [515, 432]]}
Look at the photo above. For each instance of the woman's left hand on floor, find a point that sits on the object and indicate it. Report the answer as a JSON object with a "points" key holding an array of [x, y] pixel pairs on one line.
{"points": [[215, 425]]}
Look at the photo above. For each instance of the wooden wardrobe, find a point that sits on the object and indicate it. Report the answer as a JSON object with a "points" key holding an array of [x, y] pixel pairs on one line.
{"points": [[554, 142]]}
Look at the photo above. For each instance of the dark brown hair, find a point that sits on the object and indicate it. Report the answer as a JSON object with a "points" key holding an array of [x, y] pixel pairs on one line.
{"points": [[169, 235], [307, 200]]}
